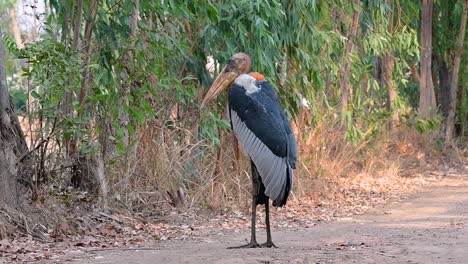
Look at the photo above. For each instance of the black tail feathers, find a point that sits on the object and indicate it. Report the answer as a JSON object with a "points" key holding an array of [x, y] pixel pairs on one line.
{"points": [[261, 197], [281, 201]]}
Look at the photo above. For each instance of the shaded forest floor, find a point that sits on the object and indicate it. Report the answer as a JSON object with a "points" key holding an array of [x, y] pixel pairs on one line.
{"points": [[424, 209]]}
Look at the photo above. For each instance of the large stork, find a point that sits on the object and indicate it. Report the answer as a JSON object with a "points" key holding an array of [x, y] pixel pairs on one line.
{"points": [[264, 132]]}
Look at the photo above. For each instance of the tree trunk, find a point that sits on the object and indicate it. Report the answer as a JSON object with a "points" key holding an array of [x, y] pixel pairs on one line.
{"points": [[71, 145], [391, 93], [463, 104], [77, 24], [450, 123], [98, 168], [8, 155], [126, 89], [387, 70], [414, 72], [92, 9], [8, 173], [14, 27], [344, 82], [427, 103], [444, 84]]}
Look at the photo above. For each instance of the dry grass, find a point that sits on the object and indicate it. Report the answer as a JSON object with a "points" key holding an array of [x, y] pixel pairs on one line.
{"points": [[328, 166], [167, 167], [333, 167], [163, 167]]}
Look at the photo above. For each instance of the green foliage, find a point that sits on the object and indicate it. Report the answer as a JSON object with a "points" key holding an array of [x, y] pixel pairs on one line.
{"points": [[54, 71], [20, 99], [425, 125], [4, 4], [208, 128], [157, 71], [17, 93]]}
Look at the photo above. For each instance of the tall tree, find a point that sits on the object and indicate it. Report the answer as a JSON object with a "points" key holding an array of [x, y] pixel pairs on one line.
{"points": [[387, 68], [450, 123], [427, 102], [71, 144], [344, 81], [8, 171], [15, 28]]}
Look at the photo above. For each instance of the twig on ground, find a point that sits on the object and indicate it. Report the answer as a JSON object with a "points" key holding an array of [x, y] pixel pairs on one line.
{"points": [[111, 217]]}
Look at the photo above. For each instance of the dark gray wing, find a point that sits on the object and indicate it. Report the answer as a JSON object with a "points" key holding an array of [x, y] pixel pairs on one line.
{"points": [[257, 120], [292, 144]]}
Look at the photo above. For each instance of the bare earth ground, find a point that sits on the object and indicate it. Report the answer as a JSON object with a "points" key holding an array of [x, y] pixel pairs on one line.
{"points": [[428, 227]]}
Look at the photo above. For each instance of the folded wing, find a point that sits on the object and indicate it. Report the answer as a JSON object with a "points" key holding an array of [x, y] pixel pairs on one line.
{"points": [[263, 130]]}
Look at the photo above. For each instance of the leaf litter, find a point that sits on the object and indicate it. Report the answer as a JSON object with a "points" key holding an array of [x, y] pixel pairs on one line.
{"points": [[87, 228]]}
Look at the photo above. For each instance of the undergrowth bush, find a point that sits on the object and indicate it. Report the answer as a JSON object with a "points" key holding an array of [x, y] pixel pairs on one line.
{"points": [[122, 88], [210, 176]]}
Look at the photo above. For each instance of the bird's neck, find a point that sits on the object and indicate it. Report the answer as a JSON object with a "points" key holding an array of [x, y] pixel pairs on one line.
{"points": [[247, 82], [257, 76]]}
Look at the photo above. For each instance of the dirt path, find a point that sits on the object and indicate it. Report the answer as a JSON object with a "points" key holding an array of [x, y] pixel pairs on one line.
{"points": [[428, 227]]}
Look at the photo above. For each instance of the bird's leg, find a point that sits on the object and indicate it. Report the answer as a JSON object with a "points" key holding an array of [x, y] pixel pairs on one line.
{"points": [[269, 242], [255, 189], [253, 239]]}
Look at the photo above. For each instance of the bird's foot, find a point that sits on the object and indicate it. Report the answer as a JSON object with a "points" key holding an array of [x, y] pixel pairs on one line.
{"points": [[253, 244], [269, 244]]}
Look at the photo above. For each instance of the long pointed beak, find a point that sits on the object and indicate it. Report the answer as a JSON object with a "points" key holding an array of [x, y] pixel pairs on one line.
{"points": [[222, 82]]}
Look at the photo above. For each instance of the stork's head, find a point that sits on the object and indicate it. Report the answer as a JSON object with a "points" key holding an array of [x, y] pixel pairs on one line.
{"points": [[239, 63]]}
